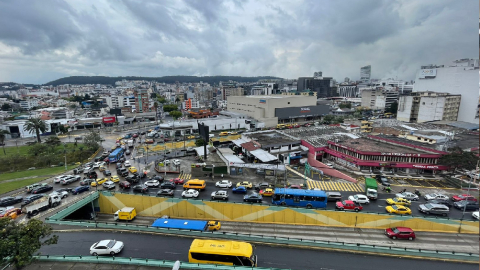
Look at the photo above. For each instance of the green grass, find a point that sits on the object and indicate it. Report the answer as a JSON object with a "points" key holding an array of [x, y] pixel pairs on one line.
{"points": [[9, 186], [39, 173], [23, 149]]}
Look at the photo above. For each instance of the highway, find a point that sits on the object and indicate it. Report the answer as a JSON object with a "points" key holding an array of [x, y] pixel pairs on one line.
{"points": [[171, 248]]}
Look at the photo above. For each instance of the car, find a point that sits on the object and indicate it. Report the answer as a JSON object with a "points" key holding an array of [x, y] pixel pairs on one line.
{"points": [[127, 163], [398, 201], [98, 182], [466, 205], [140, 188], [253, 197], [119, 165], [86, 182], [245, 184], [42, 189], [152, 183], [435, 196], [400, 233], [329, 165], [7, 201], [348, 205], [143, 133], [107, 173], [88, 168], [224, 184], [295, 187], [398, 209], [92, 175], [407, 195], [240, 190], [122, 172], [383, 181], [58, 179], [261, 186], [127, 152], [102, 168], [69, 190], [463, 197], [98, 164], [109, 185], [61, 194], [268, 192], [33, 186], [176, 162], [31, 198], [133, 178], [359, 198], [80, 189], [435, 209], [166, 192], [168, 185], [447, 203], [333, 196], [475, 215], [11, 212], [135, 135], [124, 184], [159, 178], [78, 170], [190, 193], [106, 247], [115, 178], [132, 169], [167, 162], [149, 141], [177, 181]]}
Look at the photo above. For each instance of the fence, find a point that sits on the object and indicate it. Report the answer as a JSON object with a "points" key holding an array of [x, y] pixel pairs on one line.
{"points": [[286, 241]]}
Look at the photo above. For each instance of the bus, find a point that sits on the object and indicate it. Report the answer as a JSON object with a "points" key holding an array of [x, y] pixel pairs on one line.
{"points": [[116, 155], [300, 197], [222, 252]]}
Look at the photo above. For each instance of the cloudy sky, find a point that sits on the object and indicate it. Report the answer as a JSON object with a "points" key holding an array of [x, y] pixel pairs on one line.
{"points": [[49, 39]]}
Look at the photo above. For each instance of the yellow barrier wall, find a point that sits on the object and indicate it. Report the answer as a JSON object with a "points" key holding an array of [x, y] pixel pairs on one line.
{"points": [[195, 209]]}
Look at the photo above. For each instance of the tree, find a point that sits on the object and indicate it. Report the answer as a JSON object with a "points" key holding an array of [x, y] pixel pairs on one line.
{"points": [[199, 142], [37, 149], [53, 141], [328, 119], [87, 97], [170, 107], [92, 140], [345, 105], [6, 107], [2, 139], [175, 114], [457, 158], [162, 100], [177, 100], [338, 120], [37, 125], [393, 108], [20, 241]]}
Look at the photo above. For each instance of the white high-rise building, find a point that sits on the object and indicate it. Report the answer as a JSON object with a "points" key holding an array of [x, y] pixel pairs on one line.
{"points": [[365, 73], [115, 101], [460, 78]]}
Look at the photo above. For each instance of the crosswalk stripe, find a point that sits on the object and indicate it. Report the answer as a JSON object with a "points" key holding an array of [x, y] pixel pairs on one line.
{"points": [[334, 186]]}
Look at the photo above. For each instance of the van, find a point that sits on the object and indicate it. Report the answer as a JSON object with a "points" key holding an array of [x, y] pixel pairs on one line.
{"points": [[126, 213], [433, 208], [334, 196], [223, 134], [194, 184]]}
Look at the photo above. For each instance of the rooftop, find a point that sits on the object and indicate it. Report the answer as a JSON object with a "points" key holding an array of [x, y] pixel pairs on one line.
{"points": [[276, 97], [271, 138], [369, 145]]}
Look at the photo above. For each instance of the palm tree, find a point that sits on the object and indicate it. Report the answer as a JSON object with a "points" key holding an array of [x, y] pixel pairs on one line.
{"points": [[2, 139], [37, 125]]}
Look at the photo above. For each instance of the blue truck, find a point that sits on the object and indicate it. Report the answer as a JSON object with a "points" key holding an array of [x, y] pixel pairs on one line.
{"points": [[187, 224]]}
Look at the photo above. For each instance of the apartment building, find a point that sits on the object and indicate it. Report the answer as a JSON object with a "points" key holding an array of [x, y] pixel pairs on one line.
{"points": [[142, 101], [28, 103], [419, 107], [115, 101]]}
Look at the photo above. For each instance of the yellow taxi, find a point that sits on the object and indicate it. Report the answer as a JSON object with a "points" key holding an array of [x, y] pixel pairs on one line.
{"points": [[233, 133], [245, 184], [114, 147], [98, 182], [132, 169], [398, 201], [119, 138], [398, 209], [115, 178], [223, 134], [268, 192], [102, 168], [190, 137]]}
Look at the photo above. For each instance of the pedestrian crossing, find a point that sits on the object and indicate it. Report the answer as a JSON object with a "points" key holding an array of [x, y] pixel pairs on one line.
{"points": [[185, 176], [334, 186]]}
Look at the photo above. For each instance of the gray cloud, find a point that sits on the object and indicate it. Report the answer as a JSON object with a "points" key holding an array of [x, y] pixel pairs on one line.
{"points": [[44, 40]]}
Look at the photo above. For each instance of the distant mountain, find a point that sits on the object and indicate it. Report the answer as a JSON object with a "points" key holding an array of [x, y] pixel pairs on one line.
{"points": [[165, 79]]}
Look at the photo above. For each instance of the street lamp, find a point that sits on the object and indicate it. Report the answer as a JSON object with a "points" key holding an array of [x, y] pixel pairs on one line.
{"points": [[65, 154]]}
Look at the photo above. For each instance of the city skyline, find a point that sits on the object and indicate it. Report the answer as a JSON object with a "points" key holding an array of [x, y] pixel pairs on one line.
{"points": [[39, 43]]}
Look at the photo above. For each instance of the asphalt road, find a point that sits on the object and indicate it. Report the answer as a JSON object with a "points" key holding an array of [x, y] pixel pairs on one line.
{"points": [[172, 248]]}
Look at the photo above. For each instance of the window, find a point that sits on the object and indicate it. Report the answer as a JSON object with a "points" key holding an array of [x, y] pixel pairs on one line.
{"points": [[220, 258], [319, 199], [296, 199]]}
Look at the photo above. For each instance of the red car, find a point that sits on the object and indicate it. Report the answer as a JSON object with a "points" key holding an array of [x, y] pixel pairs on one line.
{"points": [[124, 184], [348, 205], [177, 181], [463, 197], [12, 213], [400, 233], [149, 141]]}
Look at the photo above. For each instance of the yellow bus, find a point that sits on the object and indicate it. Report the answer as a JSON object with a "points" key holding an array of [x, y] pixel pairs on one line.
{"points": [[222, 252]]}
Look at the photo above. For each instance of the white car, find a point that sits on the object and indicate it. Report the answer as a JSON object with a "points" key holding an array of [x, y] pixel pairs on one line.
{"points": [[224, 184], [59, 178], [127, 163], [106, 247], [167, 162], [436, 196], [61, 194], [98, 164], [152, 183], [359, 198], [88, 168], [475, 215], [109, 185], [191, 193], [176, 162], [330, 165], [407, 195]]}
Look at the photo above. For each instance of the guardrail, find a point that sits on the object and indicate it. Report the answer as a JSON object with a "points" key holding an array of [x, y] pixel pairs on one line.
{"points": [[73, 207], [144, 262], [287, 241]]}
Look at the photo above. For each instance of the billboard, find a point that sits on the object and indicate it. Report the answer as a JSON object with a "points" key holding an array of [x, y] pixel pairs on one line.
{"points": [[303, 111], [110, 119], [424, 73]]}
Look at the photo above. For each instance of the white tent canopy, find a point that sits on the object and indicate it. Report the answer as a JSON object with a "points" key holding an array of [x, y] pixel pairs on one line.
{"points": [[263, 155]]}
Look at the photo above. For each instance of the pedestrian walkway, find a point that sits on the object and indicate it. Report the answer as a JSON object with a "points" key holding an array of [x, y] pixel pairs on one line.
{"points": [[185, 176], [334, 186]]}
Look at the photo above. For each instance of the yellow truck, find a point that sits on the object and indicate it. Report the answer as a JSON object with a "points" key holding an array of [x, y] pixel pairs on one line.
{"points": [[126, 213]]}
